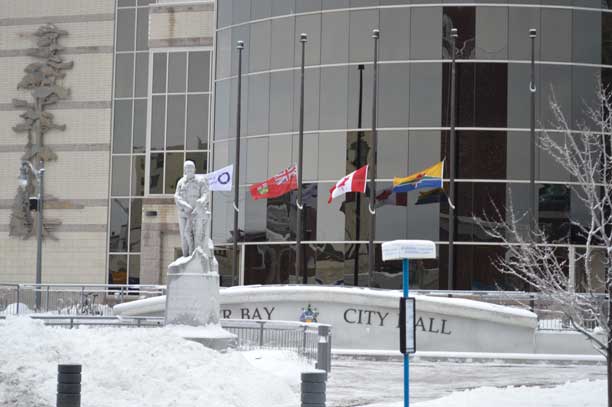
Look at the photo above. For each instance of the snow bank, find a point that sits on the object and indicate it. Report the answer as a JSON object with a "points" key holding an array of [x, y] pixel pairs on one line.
{"points": [[583, 393], [132, 367]]}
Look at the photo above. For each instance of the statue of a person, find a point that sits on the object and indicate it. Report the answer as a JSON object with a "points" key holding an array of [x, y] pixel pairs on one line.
{"points": [[192, 203]]}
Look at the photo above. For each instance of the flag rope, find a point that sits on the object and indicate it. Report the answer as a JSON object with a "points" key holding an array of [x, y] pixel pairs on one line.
{"points": [[235, 208]]}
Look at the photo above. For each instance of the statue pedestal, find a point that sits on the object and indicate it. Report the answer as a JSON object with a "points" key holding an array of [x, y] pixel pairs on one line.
{"points": [[192, 301]]}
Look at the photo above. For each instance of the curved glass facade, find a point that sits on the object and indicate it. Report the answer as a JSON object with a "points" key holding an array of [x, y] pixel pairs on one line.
{"points": [[572, 51]]}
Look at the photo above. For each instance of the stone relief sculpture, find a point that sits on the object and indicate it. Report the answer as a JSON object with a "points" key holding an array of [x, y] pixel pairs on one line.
{"points": [[43, 80]]}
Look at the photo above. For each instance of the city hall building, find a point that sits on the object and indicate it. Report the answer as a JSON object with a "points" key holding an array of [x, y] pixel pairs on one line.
{"points": [[114, 95]]}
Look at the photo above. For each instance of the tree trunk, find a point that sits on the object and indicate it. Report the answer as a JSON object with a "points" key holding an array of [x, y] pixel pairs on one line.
{"points": [[609, 348]]}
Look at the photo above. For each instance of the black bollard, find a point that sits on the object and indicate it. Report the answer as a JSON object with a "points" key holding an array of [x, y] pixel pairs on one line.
{"points": [[313, 388], [68, 386]]}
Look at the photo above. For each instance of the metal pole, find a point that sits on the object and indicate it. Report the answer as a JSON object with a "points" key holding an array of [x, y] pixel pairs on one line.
{"points": [[360, 67], [40, 175], [299, 258], [239, 47], [452, 164], [532, 139], [406, 287], [372, 168]]}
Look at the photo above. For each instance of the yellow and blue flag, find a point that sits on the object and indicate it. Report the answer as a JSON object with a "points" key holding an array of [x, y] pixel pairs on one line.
{"points": [[428, 178]]}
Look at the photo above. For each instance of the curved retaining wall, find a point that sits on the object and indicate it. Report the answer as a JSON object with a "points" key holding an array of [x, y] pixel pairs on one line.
{"points": [[365, 318]]}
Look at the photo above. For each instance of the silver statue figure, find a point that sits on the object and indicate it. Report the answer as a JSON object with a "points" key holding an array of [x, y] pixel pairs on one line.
{"points": [[193, 209]]}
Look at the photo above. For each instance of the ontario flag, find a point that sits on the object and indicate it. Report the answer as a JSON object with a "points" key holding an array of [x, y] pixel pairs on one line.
{"points": [[276, 186], [353, 182]]}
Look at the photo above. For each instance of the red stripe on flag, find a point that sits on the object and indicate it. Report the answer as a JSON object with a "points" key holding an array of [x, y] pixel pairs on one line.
{"points": [[359, 179], [331, 191]]}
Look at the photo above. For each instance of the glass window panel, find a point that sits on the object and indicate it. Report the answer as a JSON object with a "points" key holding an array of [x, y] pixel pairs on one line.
{"points": [[363, 3], [491, 33], [392, 154], [126, 3], [119, 225], [279, 153], [175, 129], [282, 7], [126, 20], [490, 95], [255, 219], [259, 104], [360, 83], [329, 263], [124, 75], [240, 33], [391, 215], [122, 126], [269, 264], [281, 101], [223, 109], [224, 13], [424, 149], [517, 155], [311, 100], [138, 175], [311, 25], [224, 51], [174, 171], [260, 46], [261, 9], [606, 38], [146, 2], [311, 159], [142, 31], [117, 269], [282, 42], [555, 78], [257, 157], [199, 71], [134, 276], [334, 88], [197, 122], [519, 76], [223, 221], [520, 20], [393, 93], [425, 94], [584, 94], [200, 161], [158, 122], [331, 146], [141, 77], [587, 37], [395, 43], [330, 217], [304, 6], [177, 68], [334, 43], [479, 154], [547, 168], [121, 176], [241, 11], [425, 33], [135, 225], [159, 73], [156, 178], [554, 205], [464, 19], [140, 126], [556, 35], [334, 4], [221, 156], [361, 44]]}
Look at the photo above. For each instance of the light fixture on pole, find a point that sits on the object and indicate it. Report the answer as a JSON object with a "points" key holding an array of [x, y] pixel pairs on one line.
{"points": [[23, 183], [452, 163], [235, 237], [299, 253], [372, 167]]}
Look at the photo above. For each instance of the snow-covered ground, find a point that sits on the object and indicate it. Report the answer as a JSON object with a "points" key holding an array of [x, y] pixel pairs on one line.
{"points": [[156, 368]]}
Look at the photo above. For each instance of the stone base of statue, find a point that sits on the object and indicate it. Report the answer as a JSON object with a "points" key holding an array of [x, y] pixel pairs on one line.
{"points": [[192, 301]]}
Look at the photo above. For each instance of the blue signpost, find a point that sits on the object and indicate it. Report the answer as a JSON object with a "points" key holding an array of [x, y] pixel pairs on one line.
{"points": [[406, 250]]}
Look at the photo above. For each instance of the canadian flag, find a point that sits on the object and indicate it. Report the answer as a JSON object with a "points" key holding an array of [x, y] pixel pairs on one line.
{"points": [[353, 182]]}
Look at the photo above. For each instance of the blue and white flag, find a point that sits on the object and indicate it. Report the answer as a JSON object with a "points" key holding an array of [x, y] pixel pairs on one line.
{"points": [[221, 180]]}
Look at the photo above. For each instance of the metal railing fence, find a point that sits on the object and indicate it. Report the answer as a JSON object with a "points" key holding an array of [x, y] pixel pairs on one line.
{"points": [[71, 299]]}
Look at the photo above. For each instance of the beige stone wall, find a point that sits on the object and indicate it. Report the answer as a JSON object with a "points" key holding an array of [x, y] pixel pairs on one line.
{"points": [[77, 184]]}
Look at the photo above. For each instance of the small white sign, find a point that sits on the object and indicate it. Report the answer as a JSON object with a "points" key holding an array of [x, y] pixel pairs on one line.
{"points": [[408, 249]]}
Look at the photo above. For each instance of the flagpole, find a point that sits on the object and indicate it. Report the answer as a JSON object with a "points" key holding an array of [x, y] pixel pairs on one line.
{"points": [[532, 140], [452, 164], [299, 257], [372, 167], [239, 47], [360, 67]]}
